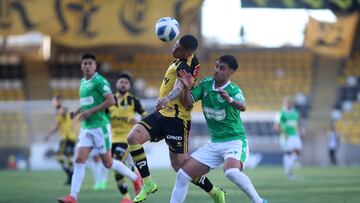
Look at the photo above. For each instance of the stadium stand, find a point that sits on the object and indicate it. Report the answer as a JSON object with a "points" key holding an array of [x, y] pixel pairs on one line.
{"points": [[11, 77], [65, 74], [65, 70], [346, 111], [13, 129], [267, 77], [348, 125]]}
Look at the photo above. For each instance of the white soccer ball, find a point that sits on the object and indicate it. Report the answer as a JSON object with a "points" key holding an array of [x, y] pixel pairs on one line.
{"points": [[167, 29]]}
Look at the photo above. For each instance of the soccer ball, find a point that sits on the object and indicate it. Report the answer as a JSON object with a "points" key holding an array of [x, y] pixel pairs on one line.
{"points": [[167, 29]]}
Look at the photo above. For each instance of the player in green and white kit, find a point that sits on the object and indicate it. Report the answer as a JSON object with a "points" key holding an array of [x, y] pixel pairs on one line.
{"points": [[276, 127], [95, 132], [222, 102], [289, 126]]}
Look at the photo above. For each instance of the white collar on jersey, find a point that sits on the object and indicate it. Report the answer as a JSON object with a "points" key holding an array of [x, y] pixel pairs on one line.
{"points": [[91, 77], [222, 87]]}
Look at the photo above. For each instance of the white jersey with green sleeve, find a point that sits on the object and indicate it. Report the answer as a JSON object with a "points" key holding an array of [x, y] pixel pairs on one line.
{"points": [[222, 118], [92, 93]]}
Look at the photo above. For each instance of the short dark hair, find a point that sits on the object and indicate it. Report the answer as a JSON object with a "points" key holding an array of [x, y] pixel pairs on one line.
{"points": [[125, 75], [88, 56], [188, 42], [229, 60]]}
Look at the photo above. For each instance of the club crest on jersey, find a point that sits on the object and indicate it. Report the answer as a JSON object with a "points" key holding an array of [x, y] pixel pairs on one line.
{"points": [[220, 99]]}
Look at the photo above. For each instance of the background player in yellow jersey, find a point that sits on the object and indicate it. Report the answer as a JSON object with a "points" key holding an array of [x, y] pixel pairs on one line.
{"points": [[171, 121], [122, 118], [68, 138]]}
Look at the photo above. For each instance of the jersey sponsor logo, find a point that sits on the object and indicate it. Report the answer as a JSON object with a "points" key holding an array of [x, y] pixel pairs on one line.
{"points": [[174, 137], [220, 99], [291, 123], [215, 114], [86, 101], [120, 118]]}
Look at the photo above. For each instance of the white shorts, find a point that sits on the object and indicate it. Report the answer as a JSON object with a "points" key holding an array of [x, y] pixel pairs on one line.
{"points": [[293, 143], [282, 141], [94, 153], [213, 154], [98, 138]]}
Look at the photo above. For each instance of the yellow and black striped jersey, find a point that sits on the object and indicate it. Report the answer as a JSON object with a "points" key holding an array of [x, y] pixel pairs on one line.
{"points": [[65, 127], [122, 114], [175, 108]]}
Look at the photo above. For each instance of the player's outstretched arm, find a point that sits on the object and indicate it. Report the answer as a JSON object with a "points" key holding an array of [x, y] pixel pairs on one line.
{"points": [[175, 93], [52, 131], [109, 101], [73, 114]]}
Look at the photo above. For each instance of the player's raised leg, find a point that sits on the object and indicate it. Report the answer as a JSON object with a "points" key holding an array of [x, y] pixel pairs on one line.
{"points": [[232, 168], [136, 138], [187, 174], [117, 166], [202, 181]]}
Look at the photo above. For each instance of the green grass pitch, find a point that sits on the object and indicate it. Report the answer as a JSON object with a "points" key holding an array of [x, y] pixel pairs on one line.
{"points": [[313, 185]]}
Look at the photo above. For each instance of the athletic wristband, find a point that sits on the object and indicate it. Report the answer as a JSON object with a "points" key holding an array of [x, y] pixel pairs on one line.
{"points": [[231, 100]]}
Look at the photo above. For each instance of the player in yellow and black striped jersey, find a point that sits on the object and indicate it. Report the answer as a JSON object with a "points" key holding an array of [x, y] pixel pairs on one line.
{"points": [[68, 138], [170, 121], [122, 118]]}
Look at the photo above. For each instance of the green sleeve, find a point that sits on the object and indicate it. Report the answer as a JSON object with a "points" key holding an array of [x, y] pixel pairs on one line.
{"points": [[238, 95], [282, 121], [196, 92], [104, 87]]}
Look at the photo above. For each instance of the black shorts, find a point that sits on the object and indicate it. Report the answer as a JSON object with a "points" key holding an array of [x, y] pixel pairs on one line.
{"points": [[119, 151], [175, 131], [66, 148]]}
